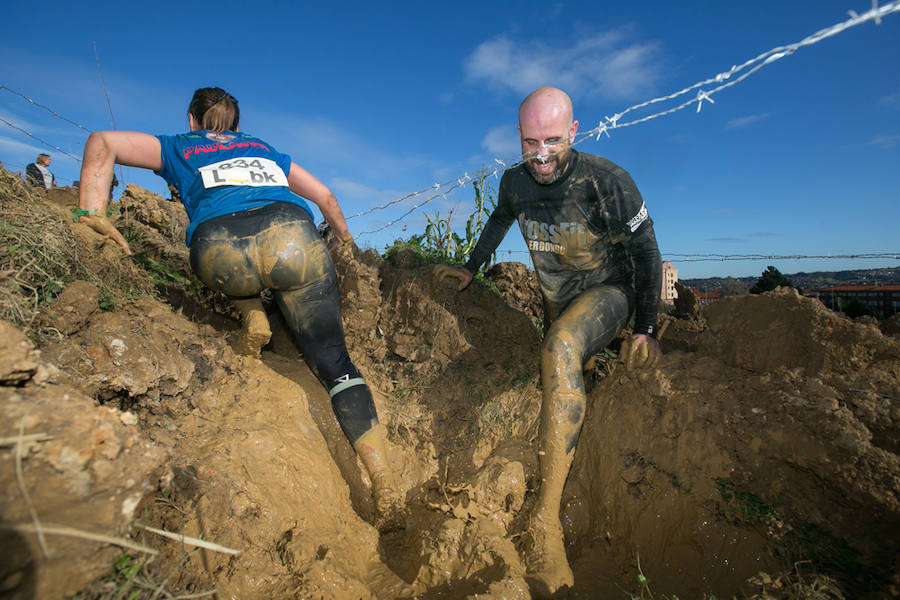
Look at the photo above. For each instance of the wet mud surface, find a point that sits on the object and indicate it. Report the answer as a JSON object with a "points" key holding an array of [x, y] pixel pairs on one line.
{"points": [[766, 437]]}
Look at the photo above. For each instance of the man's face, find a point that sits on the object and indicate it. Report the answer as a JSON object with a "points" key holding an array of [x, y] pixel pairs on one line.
{"points": [[45, 161], [546, 137]]}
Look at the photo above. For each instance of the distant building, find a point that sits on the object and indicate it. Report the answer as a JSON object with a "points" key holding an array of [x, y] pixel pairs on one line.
{"points": [[707, 298], [883, 299], [670, 276]]}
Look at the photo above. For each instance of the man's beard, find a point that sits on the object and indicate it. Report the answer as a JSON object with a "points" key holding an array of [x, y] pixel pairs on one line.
{"points": [[559, 161]]}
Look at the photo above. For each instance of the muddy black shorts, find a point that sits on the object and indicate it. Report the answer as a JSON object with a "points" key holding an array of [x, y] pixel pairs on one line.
{"points": [[277, 247]]}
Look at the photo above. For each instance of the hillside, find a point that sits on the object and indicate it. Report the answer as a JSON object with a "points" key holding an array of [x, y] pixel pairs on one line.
{"points": [[759, 460], [803, 280]]}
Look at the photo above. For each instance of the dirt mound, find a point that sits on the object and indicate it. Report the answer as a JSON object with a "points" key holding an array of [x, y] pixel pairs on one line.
{"points": [[782, 397], [767, 438]]}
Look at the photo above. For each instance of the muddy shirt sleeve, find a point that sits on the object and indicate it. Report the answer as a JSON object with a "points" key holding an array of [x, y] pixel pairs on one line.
{"points": [[494, 230], [634, 230]]}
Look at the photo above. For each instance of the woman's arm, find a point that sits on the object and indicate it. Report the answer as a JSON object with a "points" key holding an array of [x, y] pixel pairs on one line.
{"points": [[103, 150], [304, 184]]}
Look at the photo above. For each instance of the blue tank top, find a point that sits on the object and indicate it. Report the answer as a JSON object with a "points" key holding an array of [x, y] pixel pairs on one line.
{"points": [[222, 173]]}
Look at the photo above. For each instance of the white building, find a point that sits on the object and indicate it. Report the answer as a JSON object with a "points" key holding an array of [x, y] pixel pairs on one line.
{"points": [[670, 276]]}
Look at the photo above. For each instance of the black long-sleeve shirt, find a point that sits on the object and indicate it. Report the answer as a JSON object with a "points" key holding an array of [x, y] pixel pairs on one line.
{"points": [[589, 227]]}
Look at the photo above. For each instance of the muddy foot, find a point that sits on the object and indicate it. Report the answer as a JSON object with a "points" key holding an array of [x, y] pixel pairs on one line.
{"points": [[545, 559], [390, 509], [254, 334]]}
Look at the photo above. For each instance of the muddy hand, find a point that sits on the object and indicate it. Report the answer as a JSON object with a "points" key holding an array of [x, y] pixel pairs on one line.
{"points": [[639, 352], [103, 226], [442, 272], [336, 243]]}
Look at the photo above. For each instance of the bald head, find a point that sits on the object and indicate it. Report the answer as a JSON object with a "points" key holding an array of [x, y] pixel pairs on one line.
{"points": [[546, 129], [546, 104]]}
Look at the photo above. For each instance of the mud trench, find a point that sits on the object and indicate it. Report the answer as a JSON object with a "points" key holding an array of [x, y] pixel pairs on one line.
{"points": [[648, 494], [757, 461]]}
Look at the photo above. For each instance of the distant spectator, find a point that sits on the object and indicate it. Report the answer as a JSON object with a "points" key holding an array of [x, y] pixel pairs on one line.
{"points": [[38, 174], [75, 184]]}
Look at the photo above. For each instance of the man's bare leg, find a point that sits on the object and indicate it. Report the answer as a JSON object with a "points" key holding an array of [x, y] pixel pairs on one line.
{"points": [[255, 331]]}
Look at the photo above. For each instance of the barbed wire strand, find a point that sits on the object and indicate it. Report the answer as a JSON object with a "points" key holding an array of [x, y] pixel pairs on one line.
{"points": [[44, 142], [675, 257], [47, 108], [609, 123]]}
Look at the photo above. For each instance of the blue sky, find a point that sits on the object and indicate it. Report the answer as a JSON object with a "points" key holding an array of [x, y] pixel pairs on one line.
{"points": [[380, 100]]}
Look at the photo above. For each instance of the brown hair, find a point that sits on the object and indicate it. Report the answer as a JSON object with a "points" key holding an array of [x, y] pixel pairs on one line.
{"points": [[215, 109]]}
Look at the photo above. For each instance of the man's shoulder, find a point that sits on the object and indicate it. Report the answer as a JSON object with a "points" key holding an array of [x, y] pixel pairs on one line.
{"points": [[514, 175], [597, 163], [601, 168]]}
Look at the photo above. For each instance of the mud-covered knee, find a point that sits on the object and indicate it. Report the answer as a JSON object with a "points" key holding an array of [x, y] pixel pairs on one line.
{"points": [[561, 349]]}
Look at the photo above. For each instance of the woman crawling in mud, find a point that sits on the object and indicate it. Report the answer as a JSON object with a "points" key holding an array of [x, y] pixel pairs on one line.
{"points": [[251, 230]]}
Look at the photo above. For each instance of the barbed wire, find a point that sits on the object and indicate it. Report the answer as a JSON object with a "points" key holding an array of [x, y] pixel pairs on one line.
{"points": [[676, 257], [609, 123], [47, 108], [730, 257], [43, 141]]}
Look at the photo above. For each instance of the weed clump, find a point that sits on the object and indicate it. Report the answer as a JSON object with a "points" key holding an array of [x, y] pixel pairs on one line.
{"points": [[41, 254]]}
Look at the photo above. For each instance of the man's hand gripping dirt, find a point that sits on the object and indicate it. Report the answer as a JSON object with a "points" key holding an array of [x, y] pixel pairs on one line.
{"points": [[639, 352], [464, 276]]}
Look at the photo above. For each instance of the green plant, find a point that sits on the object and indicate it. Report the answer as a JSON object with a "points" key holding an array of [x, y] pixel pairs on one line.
{"points": [[439, 243], [646, 593], [829, 558], [164, 274], [748, 509]]}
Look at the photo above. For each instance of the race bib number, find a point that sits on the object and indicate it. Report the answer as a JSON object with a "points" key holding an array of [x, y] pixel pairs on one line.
{"points": [[243, 171]]}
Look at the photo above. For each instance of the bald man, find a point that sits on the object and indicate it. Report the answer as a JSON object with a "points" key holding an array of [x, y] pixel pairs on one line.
{"points": [[597, 262]]}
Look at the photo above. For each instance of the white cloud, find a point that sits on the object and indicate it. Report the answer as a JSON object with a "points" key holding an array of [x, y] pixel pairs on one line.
{"points": [[606, 65], [886, 140], [892, 100], [20, 150], [746, 121], [502, 142]]}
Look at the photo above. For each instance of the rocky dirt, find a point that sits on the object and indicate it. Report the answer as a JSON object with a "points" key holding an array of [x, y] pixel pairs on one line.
{"points": [[759, 460]]}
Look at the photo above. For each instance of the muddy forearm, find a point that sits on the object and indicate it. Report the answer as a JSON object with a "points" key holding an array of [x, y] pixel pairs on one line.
{"points": [[96, 174], [331, 210]]}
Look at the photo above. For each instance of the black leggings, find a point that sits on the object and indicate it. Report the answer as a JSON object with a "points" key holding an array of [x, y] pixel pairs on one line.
{"points": [[277, 247]]}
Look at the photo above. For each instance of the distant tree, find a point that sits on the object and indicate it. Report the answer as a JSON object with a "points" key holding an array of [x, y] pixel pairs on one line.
{"points": [[855, 308], [771, 278]]}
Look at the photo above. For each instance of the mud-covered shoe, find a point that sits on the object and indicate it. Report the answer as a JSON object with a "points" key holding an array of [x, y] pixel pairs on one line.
{"points": [[547, 568], [390, 508], [254, 334]]}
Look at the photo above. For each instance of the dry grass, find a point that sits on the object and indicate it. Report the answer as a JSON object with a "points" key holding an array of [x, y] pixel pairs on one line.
{"points": [[40, 254]]}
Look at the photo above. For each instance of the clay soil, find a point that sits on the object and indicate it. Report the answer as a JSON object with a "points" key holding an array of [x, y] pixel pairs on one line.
{"points": [[760, 460]]}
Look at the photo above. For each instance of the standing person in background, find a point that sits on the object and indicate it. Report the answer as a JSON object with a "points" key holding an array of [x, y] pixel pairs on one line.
{"points": [[251, 230], [38, 172], [597, 262]]}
